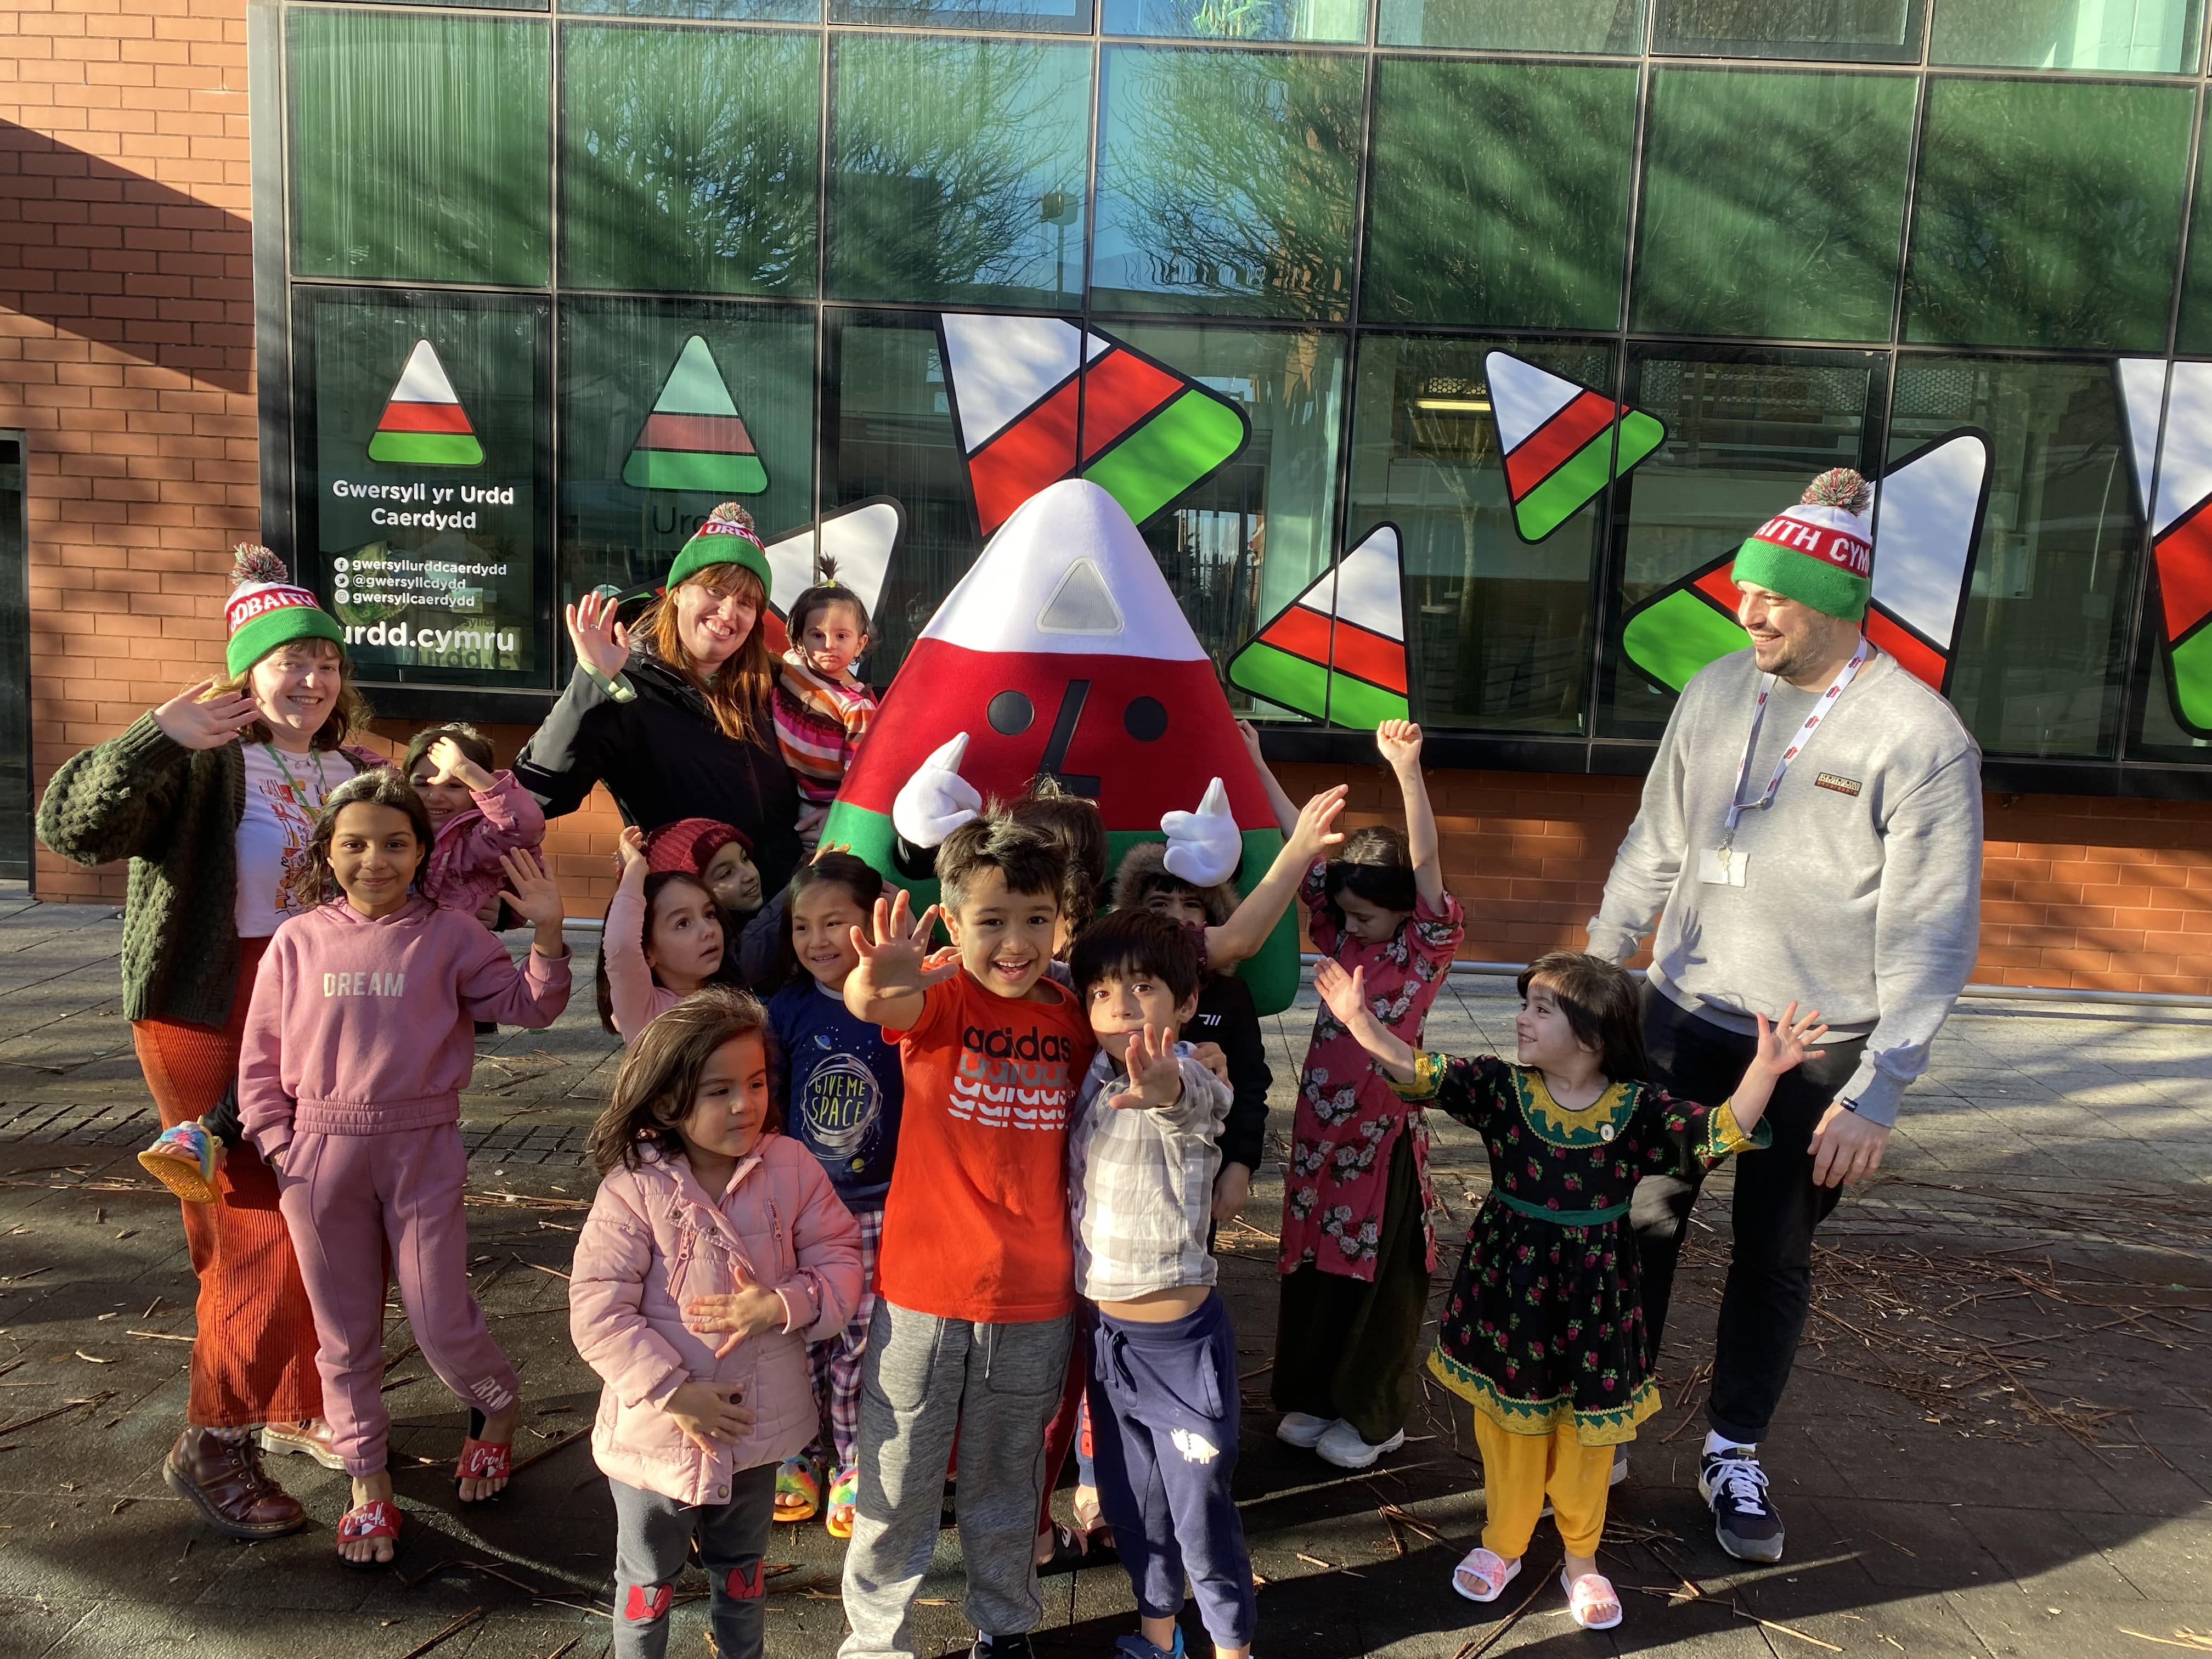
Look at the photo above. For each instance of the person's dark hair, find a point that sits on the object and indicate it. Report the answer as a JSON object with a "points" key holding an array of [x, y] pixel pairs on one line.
{"points": [[856, 876], [659, 1076], [820, 597], [1073, 824], [1137, 944], [1599, 1000], [379, 786], [349, 716], [655, 885], [471, 741], [1144, 873], [1374, 864], [1030, 861]]}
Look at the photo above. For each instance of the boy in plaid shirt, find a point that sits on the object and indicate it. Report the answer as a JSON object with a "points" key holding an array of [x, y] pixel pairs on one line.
{"points": [[1141, 1162]]}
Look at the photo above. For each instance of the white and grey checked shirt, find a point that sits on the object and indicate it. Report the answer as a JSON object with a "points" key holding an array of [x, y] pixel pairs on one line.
{"points": [[1141, 1183]]}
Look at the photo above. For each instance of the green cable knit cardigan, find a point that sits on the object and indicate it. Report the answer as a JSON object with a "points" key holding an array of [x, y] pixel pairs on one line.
{"points": [[173, 812]]}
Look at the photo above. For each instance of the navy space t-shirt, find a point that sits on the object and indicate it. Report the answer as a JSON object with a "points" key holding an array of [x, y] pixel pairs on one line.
{"points": [[841, 1091]]}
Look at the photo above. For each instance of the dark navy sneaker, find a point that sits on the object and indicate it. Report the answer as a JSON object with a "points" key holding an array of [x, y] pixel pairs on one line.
{"points": [[1732, 1483], [1001, 1647]]}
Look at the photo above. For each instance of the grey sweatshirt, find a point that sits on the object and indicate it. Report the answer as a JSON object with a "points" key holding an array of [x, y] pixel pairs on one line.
{"points": [[1862, 895]]}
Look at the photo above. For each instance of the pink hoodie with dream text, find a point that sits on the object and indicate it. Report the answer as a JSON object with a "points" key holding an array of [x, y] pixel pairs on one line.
{"points": [[360, 1027]]}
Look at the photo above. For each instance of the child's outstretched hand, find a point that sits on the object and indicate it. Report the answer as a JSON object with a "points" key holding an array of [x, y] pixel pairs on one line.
{"points": [[1400, 744], [1783, 1045], [709, 1413], [531, 893], [629, 853], [1316, 831], [1344, 994], [1155, 1073], [1250, 734], [895, 961], [451, 766]]}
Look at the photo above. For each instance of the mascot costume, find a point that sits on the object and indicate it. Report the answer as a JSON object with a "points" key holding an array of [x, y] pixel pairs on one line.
{"points": [[1062, 651]]}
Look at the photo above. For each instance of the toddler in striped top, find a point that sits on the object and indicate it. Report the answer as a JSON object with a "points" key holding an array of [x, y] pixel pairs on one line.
{"points": [[822, 707]]}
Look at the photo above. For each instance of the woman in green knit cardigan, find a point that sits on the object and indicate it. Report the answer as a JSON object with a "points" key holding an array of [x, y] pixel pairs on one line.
{"points": [[210, 796]]}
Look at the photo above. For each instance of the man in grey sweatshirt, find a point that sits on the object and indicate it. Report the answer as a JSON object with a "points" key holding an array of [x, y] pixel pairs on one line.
{"points": [[1811, 831]]}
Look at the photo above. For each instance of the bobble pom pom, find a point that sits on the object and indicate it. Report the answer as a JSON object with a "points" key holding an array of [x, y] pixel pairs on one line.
{"points": [[730, 510], [1838, 487], [252, 562]]}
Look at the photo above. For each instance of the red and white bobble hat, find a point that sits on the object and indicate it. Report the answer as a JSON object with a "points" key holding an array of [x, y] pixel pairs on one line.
{"points": [[267, 608]]}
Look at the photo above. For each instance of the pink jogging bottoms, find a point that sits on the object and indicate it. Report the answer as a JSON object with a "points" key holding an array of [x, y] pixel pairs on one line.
{"points": [[345, 1198]]}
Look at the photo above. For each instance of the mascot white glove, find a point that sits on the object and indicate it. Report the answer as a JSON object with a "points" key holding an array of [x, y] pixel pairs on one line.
{"points": [[1204, 847], [936, 800]]}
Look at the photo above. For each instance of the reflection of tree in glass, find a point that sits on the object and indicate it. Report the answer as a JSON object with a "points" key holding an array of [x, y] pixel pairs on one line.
{"points": [[687, 164], [955, 160], [1232, 173]]}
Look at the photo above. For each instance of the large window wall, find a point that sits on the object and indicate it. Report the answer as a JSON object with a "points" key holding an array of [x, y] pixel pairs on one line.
{"points": [[503, 247]]}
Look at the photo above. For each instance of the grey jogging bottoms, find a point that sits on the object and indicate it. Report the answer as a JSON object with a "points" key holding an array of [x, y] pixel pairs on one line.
{"points": [[925, 1379]]}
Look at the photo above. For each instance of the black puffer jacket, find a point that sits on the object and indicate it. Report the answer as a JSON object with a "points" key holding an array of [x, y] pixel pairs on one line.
{"points": [[662, 757]]}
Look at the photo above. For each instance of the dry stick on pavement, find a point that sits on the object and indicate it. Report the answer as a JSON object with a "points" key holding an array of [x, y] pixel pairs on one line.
{"points": [[1481, 1645], [453, 1629], [28, 1422]]}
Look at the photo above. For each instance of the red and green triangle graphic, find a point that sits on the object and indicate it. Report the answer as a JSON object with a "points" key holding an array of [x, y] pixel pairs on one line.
{"points": [[1562, 442], [1337, 653], [424, 423], [1676, 632], [694, 438], [1038, 400]]}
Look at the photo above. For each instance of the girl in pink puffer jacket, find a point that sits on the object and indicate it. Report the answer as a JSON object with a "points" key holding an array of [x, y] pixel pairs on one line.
{"points": [[716, 1251]]}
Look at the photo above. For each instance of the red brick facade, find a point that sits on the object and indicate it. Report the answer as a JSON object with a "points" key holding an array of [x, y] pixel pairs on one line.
{"points": [[126, 355]]}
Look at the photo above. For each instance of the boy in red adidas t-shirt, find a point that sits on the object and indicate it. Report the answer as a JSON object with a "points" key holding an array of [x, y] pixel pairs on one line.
{"points": [[976, 1278]]}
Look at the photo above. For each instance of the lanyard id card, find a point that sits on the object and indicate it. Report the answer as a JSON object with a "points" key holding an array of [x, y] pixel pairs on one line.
{"points": [[1724, 865]]}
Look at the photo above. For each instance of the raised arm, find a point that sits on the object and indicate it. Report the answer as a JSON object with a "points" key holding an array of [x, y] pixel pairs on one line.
{"points": [[1286, 811], [567, 754], [1345, 995], [118, 799], [1311, 833], [622, 940], [1399, 742], [890, 984]]}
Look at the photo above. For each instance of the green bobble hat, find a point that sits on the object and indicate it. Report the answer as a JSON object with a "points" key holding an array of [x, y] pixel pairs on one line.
{"points": [[727, 537], [267, 608], [1819, 552]]}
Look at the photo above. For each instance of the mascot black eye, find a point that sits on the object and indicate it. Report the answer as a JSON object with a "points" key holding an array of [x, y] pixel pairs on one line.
{"points": [[1011, 713], [1145, 720]]}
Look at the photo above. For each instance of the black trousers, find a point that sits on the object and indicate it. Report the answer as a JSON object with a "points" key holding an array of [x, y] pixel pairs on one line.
{"points": [[1769, 1278]]}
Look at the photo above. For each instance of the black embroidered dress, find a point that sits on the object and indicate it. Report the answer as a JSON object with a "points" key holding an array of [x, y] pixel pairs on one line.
{"points": [[1544, 1323]]}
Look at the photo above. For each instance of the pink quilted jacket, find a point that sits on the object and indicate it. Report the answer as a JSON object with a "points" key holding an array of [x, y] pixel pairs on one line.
{"points": [[464, 873], [653, 1240]]}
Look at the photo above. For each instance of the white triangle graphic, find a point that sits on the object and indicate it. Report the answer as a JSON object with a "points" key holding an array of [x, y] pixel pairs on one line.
{"points": [[1523, 396], [2143, 392], [861, 539], [999, 367], [423, 381], [1924, 535], [1007, 600], [1364, 587], [2185, 451]]}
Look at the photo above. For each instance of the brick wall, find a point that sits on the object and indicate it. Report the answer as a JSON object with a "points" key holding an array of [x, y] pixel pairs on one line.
{"points": [[127, 354]]}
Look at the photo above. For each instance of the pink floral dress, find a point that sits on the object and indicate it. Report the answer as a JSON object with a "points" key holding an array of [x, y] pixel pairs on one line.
{"points": [[1348, 1117]]}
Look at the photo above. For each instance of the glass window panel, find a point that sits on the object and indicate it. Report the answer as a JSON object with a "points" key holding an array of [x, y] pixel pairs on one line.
{"points": [[1499, 193], [420, 147], [1239, 19], [1241, 544], [689, 158], [2048, 213], [1514, 25], [1744, 437], [421, 426], [750, 11], [1795, 236], [667, 407], [1041, 17], [2140, 37], [1869, 31], [2040, 653], [958, 170], [1500, 630], [2194, 338], [1227, 182]]}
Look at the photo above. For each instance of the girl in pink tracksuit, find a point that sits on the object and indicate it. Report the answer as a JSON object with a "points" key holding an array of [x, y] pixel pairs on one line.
{"points": [[357, 1045], [716, 1251]]}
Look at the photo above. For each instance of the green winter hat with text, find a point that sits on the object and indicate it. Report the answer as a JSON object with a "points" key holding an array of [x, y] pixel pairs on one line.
{"points": [[727, 537], [1819, 552], [267, 608]]}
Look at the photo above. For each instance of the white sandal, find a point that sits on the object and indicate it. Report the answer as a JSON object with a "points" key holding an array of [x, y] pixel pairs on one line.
{"points": [[1592, 1589], [1487, 1567]]}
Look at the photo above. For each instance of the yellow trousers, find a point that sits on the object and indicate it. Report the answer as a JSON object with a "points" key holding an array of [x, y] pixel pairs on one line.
{"points": [[1518, 1470]]}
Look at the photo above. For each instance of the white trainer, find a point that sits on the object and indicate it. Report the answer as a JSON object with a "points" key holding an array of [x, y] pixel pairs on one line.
{"points": [[1302, 1429], [1341, 1445]]}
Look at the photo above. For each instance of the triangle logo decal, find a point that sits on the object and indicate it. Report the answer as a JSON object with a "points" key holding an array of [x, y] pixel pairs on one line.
{"points": [[2179, 452], [1337, 653], [694, 439], [1562, 442], [423, 422]]}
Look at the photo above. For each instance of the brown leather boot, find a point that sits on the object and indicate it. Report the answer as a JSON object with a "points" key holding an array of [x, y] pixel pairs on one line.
{"points": [[224, 1480]]}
